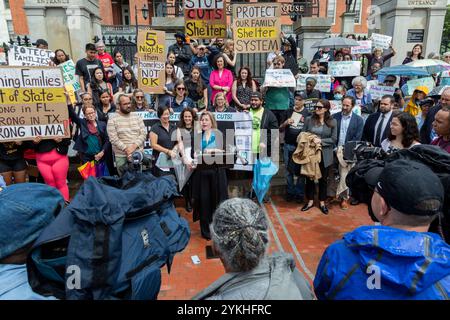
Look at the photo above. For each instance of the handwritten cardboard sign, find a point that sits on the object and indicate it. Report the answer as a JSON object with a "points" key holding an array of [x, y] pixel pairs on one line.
{"points": [[427, 82], [257, 27], [205, 19], [377, 91], [323, 82], [32, 104], [151, 65], [344, 68], [68, 73], [364, 47], [381, 41], [29, 56], [280, 78]]}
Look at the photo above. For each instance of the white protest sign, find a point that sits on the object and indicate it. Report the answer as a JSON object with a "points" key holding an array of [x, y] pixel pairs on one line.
{"points": [[344, 68], [364, 47], [379, 91], [279, 78], [29, 56], [323, 82], [371, 83], [381, 41], [68, 72], [413, 84], [336, 106]]}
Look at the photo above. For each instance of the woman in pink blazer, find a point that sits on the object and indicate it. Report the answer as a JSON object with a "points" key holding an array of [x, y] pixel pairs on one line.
{"points": [[221, 79]]}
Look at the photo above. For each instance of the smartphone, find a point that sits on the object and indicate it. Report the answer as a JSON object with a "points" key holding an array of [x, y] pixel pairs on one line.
{"points": [[195, 259]]}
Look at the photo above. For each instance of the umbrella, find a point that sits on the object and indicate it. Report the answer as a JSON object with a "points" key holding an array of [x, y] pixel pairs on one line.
{"points": [[431, 65], [437, 91], [182, 172], [335, 43], [264, 170], [402, 70]]}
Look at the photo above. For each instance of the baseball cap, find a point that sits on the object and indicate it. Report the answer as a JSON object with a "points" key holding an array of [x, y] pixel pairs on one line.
{"points": [[426, 101], [301, 94], [180, 35], [405, 185], [40, 42], [26, 209], [256, 94]]}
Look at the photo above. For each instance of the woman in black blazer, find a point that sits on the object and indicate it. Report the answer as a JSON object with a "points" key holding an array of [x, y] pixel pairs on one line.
{"points": [[322, 124]]}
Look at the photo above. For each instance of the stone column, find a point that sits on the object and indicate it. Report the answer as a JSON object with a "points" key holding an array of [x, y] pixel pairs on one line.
{"points": [[80, 32], [348, 23], [309, 31], [36, 23], [433, 31]]}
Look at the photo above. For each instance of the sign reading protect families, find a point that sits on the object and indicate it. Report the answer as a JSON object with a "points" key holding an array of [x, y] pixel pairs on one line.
{"points": [[257, 27], [32, 104], [28, 56], [205, 19], [150, 49]]}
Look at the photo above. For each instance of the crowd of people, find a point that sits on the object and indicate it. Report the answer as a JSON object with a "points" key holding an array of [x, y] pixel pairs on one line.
{"points": [[201, 80]]}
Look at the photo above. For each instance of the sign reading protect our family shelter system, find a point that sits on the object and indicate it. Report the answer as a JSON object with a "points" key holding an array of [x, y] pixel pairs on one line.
{"points": [[151, 49], [32, 104], [205, 19], [257, 27]]}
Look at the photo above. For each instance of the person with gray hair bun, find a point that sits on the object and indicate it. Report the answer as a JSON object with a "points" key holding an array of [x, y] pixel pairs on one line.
{"points": [[240, 237]]}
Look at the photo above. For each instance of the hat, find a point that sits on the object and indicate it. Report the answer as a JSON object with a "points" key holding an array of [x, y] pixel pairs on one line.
{"points": [[301, 94], [404, 185], [256, 94], [311, 79], [40, 42], [180, 35], [26, 209]]}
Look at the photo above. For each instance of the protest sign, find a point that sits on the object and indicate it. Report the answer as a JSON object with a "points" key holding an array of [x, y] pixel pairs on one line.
{"points": [[256, 27], [323, 82], [413, 84], [336, 106], [32, 104], [371, 83], [310, 104], [205, 19], [364, 47], [344, 68], [381, 41], [235, 125], [279, 78], [151, 65], [378, 91], [68, 73], [29, 56]]}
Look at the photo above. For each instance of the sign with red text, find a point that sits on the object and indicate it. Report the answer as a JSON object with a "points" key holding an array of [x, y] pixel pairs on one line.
{"points": [[32, 104], [205, 19], [256, 27], [151, 65]]}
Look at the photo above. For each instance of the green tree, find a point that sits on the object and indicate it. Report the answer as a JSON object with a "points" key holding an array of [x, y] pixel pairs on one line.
{"points": [[446, 32]]}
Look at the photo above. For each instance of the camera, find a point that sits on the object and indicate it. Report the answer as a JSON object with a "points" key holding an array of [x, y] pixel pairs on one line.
{"points": [[138, 160], [355, 151]]}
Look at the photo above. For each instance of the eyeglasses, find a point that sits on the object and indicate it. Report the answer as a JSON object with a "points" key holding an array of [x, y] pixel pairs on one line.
{"points": [[278, 64], [389, 81], [139, 97], [181, 88], [319, 107]]}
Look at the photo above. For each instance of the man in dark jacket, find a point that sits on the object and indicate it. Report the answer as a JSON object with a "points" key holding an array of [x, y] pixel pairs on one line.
{"points": [[183, 53], [399, 259], [427, 133]]}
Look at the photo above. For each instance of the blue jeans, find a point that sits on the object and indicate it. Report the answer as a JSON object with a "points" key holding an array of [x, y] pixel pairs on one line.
{"points": [[295, 189]]}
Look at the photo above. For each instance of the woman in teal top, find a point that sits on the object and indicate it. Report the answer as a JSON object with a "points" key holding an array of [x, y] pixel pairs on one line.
{"points": [[209, 186]]}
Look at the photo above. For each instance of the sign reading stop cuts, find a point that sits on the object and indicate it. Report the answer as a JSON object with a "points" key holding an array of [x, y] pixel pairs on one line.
{"points": [[205, 19], [151, 66]]}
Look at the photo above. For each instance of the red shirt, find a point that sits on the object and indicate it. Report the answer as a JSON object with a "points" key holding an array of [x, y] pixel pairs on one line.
{"points": [[106, 59], [441, 143]]}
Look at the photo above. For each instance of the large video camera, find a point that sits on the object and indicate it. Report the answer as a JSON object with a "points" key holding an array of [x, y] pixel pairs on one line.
{"points": [[355, 151], [139, 161]]}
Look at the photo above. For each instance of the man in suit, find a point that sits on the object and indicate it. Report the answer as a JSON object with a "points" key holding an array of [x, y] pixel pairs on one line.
{"points": [[377, 125], [349, 128]]}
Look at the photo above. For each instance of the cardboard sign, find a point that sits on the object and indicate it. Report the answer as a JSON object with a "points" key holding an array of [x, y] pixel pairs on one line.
{"points": [[29, 56], [377, 91], [205, 19], [381, 41], [323, 82], [364, 47], [256, 27], [427, 82], [68, 73], [280, 78], [336, 106], [151, 65], [344, 68], [32, 104]]}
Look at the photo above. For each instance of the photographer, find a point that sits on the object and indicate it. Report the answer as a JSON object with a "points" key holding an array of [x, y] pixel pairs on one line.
{"points": [[399, 259]]}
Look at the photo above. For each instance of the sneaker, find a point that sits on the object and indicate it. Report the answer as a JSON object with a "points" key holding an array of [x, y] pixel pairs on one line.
{"points": [[344, 205]]}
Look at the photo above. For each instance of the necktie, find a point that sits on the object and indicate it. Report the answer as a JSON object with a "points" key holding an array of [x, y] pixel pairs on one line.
{"points": [[378, 132]]}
